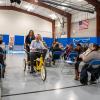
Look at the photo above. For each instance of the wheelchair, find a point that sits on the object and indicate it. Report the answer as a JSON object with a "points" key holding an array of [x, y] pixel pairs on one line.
{"points": [[39, 66]]}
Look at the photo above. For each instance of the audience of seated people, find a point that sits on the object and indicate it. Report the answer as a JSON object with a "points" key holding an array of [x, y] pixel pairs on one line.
{"points": [[93, 52]]}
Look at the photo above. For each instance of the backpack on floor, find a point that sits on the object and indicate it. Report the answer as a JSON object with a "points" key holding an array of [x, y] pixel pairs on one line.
{"points": [[84, 75]]}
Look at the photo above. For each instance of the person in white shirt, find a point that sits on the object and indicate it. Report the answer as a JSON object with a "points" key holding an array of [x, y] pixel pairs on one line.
{"points": [[35, 45]]}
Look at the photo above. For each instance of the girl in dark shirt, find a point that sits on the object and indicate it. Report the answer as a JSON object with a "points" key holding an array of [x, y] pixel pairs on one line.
{"points": [[78, 49], [28, 41]]}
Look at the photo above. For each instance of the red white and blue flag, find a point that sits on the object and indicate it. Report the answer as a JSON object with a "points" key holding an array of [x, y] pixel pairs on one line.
{"points": [[84, 24]]}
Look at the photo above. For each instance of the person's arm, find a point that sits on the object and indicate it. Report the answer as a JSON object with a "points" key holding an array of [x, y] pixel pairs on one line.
{"points": [[32, 45], [89, 57], [26, 39], [43, 47]]}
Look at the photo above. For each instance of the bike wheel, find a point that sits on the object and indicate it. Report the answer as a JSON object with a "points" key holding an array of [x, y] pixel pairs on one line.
{"points": [[43, 73], [24, 64]]}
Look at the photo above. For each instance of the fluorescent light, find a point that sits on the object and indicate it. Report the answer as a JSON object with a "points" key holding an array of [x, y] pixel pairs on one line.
{"points": [[80, 0], [63, 8], [36, 1], [29, 7], [53, 16], [1, 2]]}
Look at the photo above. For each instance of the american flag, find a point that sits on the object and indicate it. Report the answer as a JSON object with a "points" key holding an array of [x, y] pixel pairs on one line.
{"points": [[83, 24]]}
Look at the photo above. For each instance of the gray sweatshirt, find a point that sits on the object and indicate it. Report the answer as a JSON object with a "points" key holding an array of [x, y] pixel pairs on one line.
{"points": [[92, 55]]}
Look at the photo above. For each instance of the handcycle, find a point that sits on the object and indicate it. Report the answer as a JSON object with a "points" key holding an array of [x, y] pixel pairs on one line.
{"points": [[39, 66]]}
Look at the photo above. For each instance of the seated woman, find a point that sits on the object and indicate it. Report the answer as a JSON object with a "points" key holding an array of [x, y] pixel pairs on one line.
{"points": [[89, 55], [68, 50], [53, 45], [56, 48]]}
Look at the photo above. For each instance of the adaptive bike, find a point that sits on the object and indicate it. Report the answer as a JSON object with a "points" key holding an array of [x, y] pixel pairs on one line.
{"points": [[39, 66]]}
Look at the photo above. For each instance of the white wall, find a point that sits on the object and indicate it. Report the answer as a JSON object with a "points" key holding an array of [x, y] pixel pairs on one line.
{"points": [[90, 32], [82, 16], [14, 22]]}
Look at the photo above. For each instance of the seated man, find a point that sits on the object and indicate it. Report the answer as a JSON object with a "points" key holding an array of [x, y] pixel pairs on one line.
{"points": [[36, 44]]}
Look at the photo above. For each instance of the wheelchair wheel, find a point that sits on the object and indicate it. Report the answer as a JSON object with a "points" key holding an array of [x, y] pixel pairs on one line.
{"points": [[43, 73], [24, 64]]}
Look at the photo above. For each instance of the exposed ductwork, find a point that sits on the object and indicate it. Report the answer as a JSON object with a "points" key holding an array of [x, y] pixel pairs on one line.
{"points": [[71, 6]]}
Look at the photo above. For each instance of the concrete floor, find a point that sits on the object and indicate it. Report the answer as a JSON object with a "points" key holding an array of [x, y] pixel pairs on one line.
{"points": [[60, 85]]}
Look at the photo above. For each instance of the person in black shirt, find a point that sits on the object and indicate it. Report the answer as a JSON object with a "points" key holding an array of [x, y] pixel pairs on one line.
{"points": [[78, 49], [28, 41]]}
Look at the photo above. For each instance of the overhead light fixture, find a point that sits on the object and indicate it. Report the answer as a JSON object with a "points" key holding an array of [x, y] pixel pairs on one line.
{"points": [[80, 0], [63, 8], [15, 1], [36, 1], [53, 16], [2, 2], [30, 8]]}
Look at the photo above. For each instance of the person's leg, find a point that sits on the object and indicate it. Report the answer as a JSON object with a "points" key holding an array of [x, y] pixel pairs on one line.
{"points": [[32, 58], [44, 53], [77, 71], [94, 74], [65, 56], [53, 59]]}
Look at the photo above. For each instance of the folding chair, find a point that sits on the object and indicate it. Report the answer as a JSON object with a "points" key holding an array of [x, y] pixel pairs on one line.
{"points": [[57, 56], [70, 60], [95, 64]]}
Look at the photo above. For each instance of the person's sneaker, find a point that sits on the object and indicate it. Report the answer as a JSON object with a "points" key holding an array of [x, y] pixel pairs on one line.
{"points": [[92, 82], [31, 72], [85, 83], [77, 78]]}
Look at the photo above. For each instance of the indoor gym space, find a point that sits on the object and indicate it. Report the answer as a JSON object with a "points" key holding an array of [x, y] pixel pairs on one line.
{"points": [[67, 25]]}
